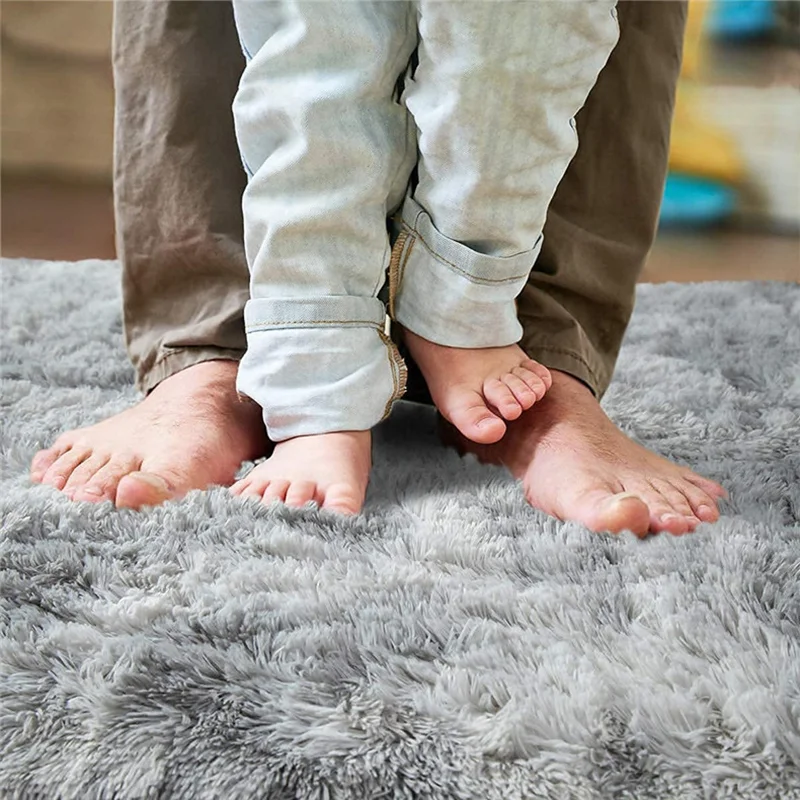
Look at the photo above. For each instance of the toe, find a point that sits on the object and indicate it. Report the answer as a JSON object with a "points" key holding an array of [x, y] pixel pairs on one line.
{"points": [[300, 492], [240, 486], [664, 518], [276, 490], [534, 382], [539, 370], [500, 395], [522, 391], [706, 484], [703, 505], [138, 489], [606, 511], [103, 484], [255, 489], [84, 472], [42, 462], [252, 484], [474, 420], [343, 499], [45, 459], [706, 512], [59, 472], [677, 501]]}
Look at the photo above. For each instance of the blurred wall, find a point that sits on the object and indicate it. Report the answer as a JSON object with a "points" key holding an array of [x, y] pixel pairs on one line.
{"points": [[57, 106], [57, 95]]}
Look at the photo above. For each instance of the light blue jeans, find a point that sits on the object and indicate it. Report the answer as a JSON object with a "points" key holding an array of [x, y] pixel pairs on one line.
{"points": [[339, 102]]}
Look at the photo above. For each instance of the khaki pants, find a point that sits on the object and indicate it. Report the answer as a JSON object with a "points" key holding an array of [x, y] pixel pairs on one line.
{"points": [[178, 186]]}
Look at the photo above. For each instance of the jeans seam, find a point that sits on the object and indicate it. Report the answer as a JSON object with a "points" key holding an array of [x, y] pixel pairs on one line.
{"points": [[402, 267], [460, 270], [397, 267], [389, 402], [399, 372]]}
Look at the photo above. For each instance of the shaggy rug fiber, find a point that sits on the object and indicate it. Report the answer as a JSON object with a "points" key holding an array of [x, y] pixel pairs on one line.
{"points": [[450, 642]]}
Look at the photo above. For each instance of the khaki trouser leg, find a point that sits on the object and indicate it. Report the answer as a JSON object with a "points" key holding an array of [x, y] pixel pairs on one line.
{"points": [[602, 220], [178, 186]]}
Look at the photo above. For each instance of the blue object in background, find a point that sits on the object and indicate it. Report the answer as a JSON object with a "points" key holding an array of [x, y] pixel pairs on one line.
{"points": [[741, 19], [695, 202]]}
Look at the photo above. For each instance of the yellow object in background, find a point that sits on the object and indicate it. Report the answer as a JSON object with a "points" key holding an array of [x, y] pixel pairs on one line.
{"points": [[693, 38], [699, 148]]}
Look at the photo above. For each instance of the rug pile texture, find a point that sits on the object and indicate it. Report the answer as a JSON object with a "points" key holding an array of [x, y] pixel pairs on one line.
{"points": [[450, 642]]}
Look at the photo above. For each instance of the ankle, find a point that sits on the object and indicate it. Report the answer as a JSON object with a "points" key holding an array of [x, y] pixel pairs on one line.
{"points": [[568, 383], [209, 380], [205, 372]]}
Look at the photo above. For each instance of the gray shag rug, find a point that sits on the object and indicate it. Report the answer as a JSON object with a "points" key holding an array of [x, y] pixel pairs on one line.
{"points": [[450, 642]]}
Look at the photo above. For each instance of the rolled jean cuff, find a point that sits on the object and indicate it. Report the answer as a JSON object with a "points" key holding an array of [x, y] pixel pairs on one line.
{"points": [[450, 294], [319, 365]]}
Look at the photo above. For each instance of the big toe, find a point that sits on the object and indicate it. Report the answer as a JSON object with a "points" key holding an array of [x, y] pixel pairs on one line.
{"points": [[609, 512], [343, 498], [475, 421], [137, 489]]}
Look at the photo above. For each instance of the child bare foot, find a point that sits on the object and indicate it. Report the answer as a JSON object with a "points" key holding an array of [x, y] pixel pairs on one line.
{"points": [[330, 469], [476, 389]]}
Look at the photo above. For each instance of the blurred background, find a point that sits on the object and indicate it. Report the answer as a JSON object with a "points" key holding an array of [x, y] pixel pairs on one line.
{"points": [[731, 206]]}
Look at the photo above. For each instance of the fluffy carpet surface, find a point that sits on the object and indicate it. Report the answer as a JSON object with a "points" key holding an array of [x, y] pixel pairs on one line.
{"points": [[450, 642]]}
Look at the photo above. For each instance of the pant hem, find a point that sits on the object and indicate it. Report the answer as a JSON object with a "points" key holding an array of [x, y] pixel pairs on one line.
{"points": [[174, 361], [569, 361], [450, 306]]}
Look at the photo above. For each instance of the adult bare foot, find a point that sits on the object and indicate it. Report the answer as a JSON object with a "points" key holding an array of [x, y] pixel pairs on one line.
{"points": [[575, 464], [330, 469], [477, 389], [190, 432]]}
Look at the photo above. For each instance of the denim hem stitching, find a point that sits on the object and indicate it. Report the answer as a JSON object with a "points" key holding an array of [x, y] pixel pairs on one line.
{"points": [[468, 275], [399, 373], [253, 327]]}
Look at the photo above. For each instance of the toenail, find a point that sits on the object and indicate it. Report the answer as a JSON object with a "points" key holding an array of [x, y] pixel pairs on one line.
{"points": [[93, 491], [156, 481], [623, 496], [705, 511], [670, 517]]}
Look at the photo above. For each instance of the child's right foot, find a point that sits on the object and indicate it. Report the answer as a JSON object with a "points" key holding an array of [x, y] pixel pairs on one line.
{"points": [[330, 469], [478, 389]]}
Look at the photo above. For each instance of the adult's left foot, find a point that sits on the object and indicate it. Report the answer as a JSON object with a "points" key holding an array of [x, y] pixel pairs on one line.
{"points": [[575, 464]]}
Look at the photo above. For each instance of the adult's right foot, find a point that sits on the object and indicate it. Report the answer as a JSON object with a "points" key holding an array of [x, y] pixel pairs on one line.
{"points": [[191, 432]]}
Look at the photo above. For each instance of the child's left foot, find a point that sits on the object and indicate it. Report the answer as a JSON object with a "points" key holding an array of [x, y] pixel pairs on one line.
{"points": [[329, 469], [476, 389]]}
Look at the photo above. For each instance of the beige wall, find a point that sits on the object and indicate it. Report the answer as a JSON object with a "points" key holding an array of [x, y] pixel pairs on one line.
{"points": [[56, 102], [57, 94]]}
